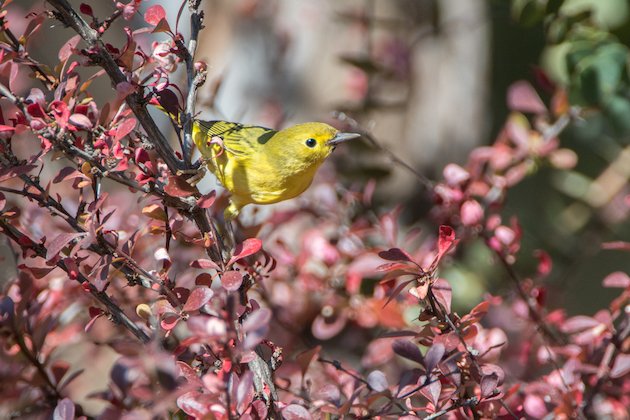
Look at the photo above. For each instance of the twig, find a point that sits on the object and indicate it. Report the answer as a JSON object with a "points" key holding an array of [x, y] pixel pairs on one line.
{"points": [[470, 402], [356, 127], [194, 78], [610, 355], [98, 53], [116, 314]]}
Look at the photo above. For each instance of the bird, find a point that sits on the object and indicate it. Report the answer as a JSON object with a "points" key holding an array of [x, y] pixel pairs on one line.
{"points": [[259, 165]]}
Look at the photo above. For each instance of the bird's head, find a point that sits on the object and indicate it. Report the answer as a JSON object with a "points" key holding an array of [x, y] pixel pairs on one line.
{"points": [[312, 142]]}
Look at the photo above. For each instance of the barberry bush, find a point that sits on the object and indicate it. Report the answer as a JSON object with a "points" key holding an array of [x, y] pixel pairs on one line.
{"points": [[123, 296]]}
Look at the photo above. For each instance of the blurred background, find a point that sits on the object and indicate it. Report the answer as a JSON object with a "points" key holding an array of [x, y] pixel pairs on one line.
{"points": [[429, 79]]}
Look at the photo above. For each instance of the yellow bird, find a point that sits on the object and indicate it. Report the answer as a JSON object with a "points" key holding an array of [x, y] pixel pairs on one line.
{"points": [[258, 165]]}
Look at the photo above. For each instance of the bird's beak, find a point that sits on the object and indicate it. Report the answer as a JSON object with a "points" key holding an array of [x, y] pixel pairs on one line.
{"points": [[342, 137]]}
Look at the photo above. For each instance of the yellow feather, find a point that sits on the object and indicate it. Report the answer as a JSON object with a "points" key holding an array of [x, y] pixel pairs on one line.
{"points": [[262, 166]]}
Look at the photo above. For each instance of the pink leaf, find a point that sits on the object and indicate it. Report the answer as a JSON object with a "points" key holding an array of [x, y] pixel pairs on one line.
{"points": [[64, 410], [443, 293], [522, 97], [579, 323], [68, 48], [621, 366], [617, 245], [232, 280], [154, 14], [55, 246], [296, 412], [5, 128], [198, 297], [377, 381], [3, 201], [248, 247], [206, 201], [81, 121], [471, 213], [489, 384], [544, 262], [257, 319], [617, 279]]}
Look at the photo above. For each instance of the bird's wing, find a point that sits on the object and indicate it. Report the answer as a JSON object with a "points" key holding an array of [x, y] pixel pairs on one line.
{"points": [[238, 139]]}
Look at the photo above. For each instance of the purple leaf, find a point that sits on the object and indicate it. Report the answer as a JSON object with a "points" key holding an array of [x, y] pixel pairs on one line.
{"points": [[489, 384], [408, 350], [198, 297], [433, 356], [378, 381], [394, 254], [64, 410]]}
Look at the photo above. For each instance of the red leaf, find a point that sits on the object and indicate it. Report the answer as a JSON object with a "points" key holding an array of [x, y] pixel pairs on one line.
{"points": [[124, 128], [154, 14], [206, 201], [522, 97], [86, 9], [617, 279], [544, 262], [231, 280], [169, 321], [204, 279], [198, 297], [178, 187], [248, 247], [307, 357], [56, 245], [3, 201], [5, 128], [394, 254], [67, 173], [204, 263], [446, 240]]}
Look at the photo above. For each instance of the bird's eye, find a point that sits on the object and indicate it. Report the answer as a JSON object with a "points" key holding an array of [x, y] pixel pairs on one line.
{"points": [[311, 143]]}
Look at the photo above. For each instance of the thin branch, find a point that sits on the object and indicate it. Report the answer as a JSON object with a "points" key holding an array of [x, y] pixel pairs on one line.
{"points": [[470, 403], [613, 350], [116, 314], [356, 127], [135, 100], [194, 78]]}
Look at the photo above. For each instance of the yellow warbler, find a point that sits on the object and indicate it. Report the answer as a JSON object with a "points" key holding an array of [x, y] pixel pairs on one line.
{"points": [[263, 166]]}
